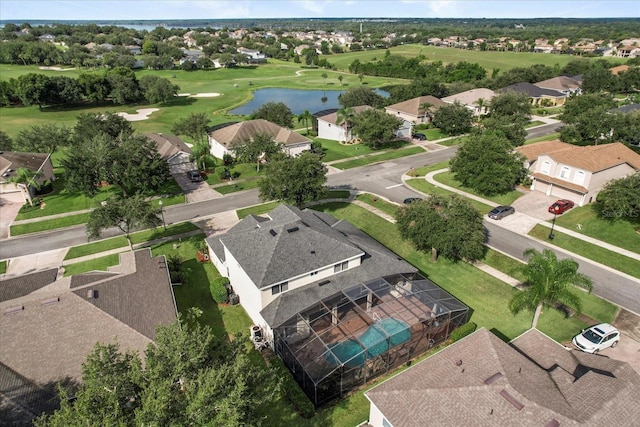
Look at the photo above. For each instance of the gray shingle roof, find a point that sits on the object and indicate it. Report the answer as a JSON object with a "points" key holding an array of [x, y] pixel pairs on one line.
{"points": [[15, 287], [237, 133], [482, 380], [291, 243], [378, 261], [532, 90]]}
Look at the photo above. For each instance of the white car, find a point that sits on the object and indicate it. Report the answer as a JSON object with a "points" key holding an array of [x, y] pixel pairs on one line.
{"points": [[597, 338]]}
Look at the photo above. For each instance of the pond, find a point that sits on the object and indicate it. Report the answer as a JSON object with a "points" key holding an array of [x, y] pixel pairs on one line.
{"points": [[296, 99]]}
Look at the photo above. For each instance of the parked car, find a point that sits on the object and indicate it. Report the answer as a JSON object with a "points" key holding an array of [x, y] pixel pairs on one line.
{"points": [[194, 176], [561, 206], [419, 136], [410, 200], [597, 338], [500, 212]]}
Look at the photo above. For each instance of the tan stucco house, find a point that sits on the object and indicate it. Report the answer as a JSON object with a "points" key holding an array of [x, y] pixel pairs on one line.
{"points": [[477, 100], [223, 137], [412, 112], [574, 172], [11, 161]]}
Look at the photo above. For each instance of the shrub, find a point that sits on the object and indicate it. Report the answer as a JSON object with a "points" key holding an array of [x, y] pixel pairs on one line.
{"points": [[235, 175], [219, 290], [291, 390], [227, 159], [463, 331]]}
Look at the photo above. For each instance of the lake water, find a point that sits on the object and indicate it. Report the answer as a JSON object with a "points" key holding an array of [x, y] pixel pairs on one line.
{"points": [[297, 100]]}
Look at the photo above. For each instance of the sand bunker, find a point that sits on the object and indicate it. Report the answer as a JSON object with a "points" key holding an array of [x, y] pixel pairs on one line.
{"points": [[56, 68], [142, 114], [205, 95]]}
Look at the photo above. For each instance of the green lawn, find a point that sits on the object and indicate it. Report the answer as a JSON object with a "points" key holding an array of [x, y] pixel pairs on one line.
{"points": [[533, 124], [447, 178], [550, 137], [453, 141], [238, 186], [433, 134], [386, 207], [121, 241], [593, 223], [504, 263], [380, 157], [604, 256], [49, 224], [3, 267], [333, 150], [101, 263], [423, 186], [246, 171], [257, 209]]}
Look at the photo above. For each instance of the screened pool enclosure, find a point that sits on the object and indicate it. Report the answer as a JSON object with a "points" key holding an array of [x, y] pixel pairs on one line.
{"points": [[363, 331]]}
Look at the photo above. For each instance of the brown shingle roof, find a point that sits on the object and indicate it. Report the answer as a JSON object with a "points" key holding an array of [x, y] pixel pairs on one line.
{"points": [[617, 70], [593, 158], [15, 287], [14, 160], [168, 145], [482, 380], [237, 133], [470, 97], [333, 117], [559, 83], [413, 106]]}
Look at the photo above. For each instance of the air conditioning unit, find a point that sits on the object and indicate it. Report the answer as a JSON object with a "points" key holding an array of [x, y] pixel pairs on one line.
{"points": [[234, 299]]}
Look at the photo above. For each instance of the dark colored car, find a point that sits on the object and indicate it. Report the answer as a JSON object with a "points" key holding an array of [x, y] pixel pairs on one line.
{"points": [[410, 200], [419, 136], [500, 212], [561, 206], [194, 176]]}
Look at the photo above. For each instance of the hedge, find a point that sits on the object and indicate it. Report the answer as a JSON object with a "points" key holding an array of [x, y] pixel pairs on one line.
{"points": [[219, 290], [463, 331], [292, 391]]}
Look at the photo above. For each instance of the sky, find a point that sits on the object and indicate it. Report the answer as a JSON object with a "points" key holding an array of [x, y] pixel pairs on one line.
{"points": [[237, 9]]}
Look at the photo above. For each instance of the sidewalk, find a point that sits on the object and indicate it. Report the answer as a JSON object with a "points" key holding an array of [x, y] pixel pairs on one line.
{"points": [[528, 221]]}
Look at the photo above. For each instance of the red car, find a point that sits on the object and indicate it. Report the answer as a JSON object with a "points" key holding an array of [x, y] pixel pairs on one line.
{"points": [[561, 206]]}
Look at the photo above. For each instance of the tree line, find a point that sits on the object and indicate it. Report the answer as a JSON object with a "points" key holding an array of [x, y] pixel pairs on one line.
{"points": [[118, 86]]}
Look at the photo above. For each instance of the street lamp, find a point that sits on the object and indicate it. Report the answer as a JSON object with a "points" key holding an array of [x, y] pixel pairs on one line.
{"points": [[556, 208], [164, 224]]}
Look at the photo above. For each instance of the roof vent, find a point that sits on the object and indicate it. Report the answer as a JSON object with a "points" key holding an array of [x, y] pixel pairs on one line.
{"points": [[292, 229], [92, 294], [493, 378], [50, 301], [273, 233], [324, 282], [515, 402], [12, 310], [313, 252], [459, 362]]}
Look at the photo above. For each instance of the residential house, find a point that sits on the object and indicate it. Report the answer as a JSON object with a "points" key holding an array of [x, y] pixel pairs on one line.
{"points": [[629, 108], [476, 100], [48, 326], [174, 151], [537, 95], [253, 55], [412, 112], [619, 69], [577, 173], [134, 50], [329, 128], [47, 38], [191, 55], [628, 52], [530, 381], [564, 84], [222, 138], [317, 288], [11, 161]]}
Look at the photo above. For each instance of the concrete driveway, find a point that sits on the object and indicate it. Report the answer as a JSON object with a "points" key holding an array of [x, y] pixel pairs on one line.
{"points": [[535, 204], [10, 204], [195, 191]]}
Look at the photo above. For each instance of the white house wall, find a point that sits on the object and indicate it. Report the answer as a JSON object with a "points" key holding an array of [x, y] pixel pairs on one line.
{"points": [[375, 416], [243, 286], [296, 150], [330, 131], [218, 150]]}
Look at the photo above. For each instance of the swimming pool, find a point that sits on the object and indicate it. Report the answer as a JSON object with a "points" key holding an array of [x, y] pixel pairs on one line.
{"points": [[374, 339]]}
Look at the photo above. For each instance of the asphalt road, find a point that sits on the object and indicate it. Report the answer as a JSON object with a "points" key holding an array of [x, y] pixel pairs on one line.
{"points": [[383, 179]]}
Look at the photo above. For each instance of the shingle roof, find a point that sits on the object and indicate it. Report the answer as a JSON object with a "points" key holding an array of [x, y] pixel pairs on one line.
{"points": [[14, 160], [413, 106], [482, 380], [377, 262], [593, 158], [626, 108], [333, 117], [237, 133], [559, 83], [533, 91], [620, 68], [168, 145], [15, 287], [470, 97], [291, 243]]}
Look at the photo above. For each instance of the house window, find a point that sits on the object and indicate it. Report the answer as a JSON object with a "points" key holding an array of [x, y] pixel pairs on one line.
{"points": [[546, 167], [579, 178], [282, 287], [340, 267], [564, 172]]}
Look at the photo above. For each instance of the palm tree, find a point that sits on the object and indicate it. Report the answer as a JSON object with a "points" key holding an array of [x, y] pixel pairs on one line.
{"points": [[480, 102], [344, 116], [424, 108], [26, 179], [305, 117], [548, 281], [201, 154], [340, 78], [324, 76]]}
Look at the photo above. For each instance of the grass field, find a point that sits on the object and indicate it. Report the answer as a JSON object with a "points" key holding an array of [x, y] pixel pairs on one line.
{"points": [[378, 157], [447, 178]]}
